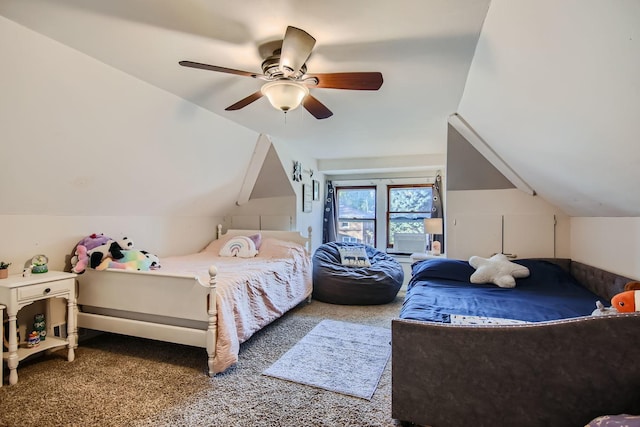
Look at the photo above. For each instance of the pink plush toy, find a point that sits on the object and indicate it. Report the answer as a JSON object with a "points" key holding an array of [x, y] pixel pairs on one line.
{"points": [[89, 242], [81, 259]]}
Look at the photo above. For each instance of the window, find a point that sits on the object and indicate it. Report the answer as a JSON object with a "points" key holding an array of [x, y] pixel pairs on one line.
{"points": [[357, 214], [407, 207], [373, 211]]}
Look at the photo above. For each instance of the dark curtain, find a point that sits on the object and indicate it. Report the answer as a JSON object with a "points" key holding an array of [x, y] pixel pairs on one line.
{"points": [[329, 223], [437, 209]]}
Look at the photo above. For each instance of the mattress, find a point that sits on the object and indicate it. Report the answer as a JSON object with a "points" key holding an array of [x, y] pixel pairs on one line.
{"points": [[440, 289]]}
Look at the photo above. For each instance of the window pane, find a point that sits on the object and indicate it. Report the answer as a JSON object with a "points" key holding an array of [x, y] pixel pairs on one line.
{"points": [[406, 223], [356, 203], [357, 231], [407, 207], [356, 215], [410, 199]]}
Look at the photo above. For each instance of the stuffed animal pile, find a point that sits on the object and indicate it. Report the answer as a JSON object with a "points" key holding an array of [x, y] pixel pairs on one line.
{"points": [[100, 252]]}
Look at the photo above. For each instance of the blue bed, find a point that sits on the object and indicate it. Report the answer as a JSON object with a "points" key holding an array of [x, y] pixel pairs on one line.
{"points": [[440, 288], [543, 373]]}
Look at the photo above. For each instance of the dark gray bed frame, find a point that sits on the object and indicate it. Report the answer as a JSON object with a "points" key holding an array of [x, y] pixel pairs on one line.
{"points": [[549, 374]]}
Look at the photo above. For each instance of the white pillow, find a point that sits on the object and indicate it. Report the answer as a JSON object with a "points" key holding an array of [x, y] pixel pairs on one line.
{"points": [[239, 246], [216, 244], [354, 256], [497, 270]]}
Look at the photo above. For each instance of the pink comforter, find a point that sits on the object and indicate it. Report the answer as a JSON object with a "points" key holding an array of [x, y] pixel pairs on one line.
{"points": [[251, 292]]}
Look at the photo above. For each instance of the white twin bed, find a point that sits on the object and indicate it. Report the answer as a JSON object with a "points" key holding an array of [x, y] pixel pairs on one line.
{"points": [[202, 299]]}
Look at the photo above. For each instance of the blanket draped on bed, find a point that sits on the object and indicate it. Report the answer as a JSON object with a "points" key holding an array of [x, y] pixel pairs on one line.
{"points": [[440, 288], [250, 293]]}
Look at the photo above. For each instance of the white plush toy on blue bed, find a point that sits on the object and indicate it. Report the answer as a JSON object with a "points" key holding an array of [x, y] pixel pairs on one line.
{"points": [[497, 270], [601, 310]]}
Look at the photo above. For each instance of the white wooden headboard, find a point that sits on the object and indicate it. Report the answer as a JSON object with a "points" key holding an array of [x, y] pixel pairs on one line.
{"points": [[260, 222], [273, 220]]}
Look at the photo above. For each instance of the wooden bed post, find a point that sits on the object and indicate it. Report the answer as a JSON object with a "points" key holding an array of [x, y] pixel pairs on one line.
{"points": [[219, 231], [213, 319], [309, 242]]}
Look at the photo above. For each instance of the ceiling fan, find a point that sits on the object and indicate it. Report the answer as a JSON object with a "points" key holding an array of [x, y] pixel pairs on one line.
{"points": [[287, 80]]}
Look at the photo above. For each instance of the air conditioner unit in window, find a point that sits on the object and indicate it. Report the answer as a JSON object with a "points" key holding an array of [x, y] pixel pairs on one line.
{"points": [[408, 243]]}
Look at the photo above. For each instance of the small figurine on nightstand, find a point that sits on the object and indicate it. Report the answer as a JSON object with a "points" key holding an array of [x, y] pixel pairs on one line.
{"points": [[33, 340], [40, 326], [26, 272], [39, 264]]}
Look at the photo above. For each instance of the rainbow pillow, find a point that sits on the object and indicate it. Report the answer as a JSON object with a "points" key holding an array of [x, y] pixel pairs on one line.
{"points": [[240, 246]]}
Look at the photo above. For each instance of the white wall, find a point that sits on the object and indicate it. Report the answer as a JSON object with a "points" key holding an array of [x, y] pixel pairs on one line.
{"points": [[56, 236], [287, 154], [501, 202], [553, 90], [87, 148], [612, 244]]}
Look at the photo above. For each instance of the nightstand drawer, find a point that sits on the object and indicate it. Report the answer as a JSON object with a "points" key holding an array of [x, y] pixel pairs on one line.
{"points": [[45, 289]]}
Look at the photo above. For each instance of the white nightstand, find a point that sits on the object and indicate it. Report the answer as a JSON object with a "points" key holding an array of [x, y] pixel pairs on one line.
{"points": [[17, 292], [419, 256]]}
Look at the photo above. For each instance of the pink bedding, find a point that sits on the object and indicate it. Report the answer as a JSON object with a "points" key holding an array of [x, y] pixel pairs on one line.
{"points": [[251, 292]]}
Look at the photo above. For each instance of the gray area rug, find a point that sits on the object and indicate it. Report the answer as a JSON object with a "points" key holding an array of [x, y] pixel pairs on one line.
{"points": [[343, 357]]}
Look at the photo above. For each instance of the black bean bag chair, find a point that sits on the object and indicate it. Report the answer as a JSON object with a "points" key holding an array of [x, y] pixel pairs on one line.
{"points": [[336, 283]]}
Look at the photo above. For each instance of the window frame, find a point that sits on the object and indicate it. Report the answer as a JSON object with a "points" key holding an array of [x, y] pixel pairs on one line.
{"points": [[389, 212], [340, 219]]}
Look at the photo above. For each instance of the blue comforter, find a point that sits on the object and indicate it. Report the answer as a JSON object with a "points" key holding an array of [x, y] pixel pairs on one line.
{"points": [[440, 287]]}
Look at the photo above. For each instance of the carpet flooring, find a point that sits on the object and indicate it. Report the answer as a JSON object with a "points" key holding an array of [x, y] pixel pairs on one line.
{"points": [[124, 381], [344, 357]]}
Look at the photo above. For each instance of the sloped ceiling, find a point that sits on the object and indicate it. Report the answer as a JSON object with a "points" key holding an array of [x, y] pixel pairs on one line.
{"points": [[552, 86], [83, 139], [554, 90], [422, 47], [272, 179]]}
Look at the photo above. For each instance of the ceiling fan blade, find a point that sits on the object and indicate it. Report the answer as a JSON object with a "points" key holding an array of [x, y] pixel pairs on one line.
{"points": [[245, 101], [216, 68], [296, 48], [316, 108], [352, 81]]}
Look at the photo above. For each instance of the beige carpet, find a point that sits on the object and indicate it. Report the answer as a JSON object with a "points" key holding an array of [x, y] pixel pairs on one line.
{"points": [[123, 381]]}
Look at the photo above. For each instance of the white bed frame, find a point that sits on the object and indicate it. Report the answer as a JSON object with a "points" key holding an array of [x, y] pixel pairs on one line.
{"points": [[167, 307]]}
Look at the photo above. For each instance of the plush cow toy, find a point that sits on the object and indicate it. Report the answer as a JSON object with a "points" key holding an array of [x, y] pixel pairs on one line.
{"points": [[99, 252], [112, 249], [80, 258]]}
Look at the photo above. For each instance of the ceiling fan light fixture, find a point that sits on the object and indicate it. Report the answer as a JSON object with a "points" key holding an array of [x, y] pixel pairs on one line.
{"points": [[285, 95]]}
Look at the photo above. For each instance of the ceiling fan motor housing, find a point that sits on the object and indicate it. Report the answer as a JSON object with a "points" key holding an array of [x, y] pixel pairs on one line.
{"points": [[271, 68]]}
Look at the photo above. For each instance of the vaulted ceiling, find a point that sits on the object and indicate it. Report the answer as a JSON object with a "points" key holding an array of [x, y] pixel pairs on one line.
{"points": [[422, 48], [550, 86]]}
